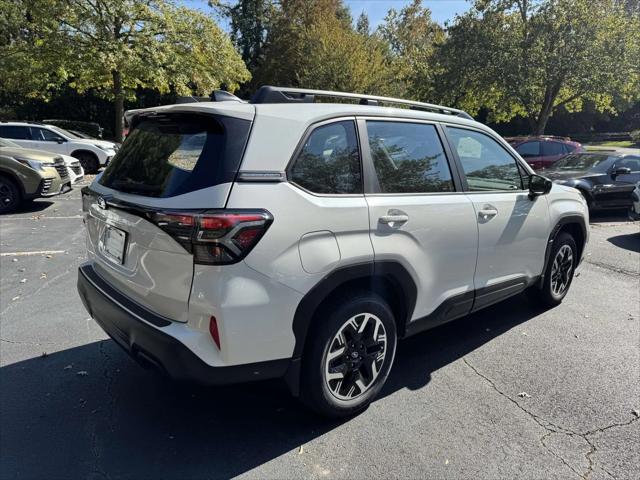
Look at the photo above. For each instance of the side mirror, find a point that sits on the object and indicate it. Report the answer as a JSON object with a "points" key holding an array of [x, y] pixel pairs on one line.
{"points": [[539, 185], [621, 171], [60, 140]]}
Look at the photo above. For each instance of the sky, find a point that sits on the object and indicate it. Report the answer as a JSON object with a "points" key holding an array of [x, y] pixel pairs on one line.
{"points": [[441, 10]]}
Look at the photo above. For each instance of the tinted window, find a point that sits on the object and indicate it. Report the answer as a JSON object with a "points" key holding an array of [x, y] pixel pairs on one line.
{"points": [[553, 148], [15, 132], [583, 161], [529, 149], [632, 163], [172, 154], [42, 134], [329, 161], [486, 164], [408, 158]]}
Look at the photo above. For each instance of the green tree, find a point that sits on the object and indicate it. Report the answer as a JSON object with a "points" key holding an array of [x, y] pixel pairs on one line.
{"points": [[116, 46], [412, 37], [311, 44], [362, 25], [250, 21], [528, 58]]}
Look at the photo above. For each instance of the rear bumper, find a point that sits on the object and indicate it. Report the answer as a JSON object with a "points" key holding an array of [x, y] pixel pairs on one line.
{"points": [[140, 333]]}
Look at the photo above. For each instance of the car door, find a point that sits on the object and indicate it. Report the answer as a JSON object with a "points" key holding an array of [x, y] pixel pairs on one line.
{"points": [[419, 217], [617, 191], [48, 140], [513, 229]]}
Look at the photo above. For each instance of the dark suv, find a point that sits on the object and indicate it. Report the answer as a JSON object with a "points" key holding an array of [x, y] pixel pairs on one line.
{"points": [[543, 152]]}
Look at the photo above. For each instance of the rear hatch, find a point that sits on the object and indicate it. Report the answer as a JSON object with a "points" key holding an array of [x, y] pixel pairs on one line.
{"points": [[140, 212]]}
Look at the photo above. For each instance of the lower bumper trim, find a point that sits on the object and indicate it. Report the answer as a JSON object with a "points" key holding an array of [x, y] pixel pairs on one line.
{"points": [[152, 347]]}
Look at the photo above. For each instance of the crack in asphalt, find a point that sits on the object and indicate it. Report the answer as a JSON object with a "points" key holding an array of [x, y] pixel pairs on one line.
{"points": [[31, 344], [611, 268], [552, 428]]}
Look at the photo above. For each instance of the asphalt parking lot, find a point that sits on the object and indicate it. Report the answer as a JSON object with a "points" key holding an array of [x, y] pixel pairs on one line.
{"points": [[510, 392]]}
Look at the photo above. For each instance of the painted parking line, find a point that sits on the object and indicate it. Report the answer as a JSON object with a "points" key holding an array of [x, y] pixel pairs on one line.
{"points": [[42, 218], [26, 254]]}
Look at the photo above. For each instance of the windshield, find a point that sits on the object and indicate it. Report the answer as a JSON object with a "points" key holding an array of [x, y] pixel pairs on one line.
{"points": [[64, 132], [583, 162], [8, 143], [173, 154]]}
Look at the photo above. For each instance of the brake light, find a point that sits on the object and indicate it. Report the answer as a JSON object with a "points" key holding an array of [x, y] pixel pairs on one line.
{"points": [[215, 237]]}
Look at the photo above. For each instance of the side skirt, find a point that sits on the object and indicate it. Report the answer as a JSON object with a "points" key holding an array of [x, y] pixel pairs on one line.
{"points": [[469, 302]]}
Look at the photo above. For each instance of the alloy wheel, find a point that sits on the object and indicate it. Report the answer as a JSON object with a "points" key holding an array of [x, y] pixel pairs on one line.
{"points": [[355, 357], [561, 270], [7, 195]]}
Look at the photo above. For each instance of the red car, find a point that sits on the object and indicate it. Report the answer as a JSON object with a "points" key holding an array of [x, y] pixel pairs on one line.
{"points": [[543, 152]]}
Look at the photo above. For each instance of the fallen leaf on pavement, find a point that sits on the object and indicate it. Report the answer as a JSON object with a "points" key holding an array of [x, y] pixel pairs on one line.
{"points": [[24, 280], [300, 450], [524, 395], [82, 373], [68, 367], [636, 413], [15, 298]]}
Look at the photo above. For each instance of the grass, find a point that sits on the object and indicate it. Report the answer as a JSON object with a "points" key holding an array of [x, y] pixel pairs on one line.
{"points": [[613, 143]]}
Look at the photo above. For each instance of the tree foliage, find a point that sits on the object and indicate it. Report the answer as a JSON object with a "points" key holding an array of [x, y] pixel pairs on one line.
{"points": [[116, 46], [412, 37], [528, 58], [313, 44]]}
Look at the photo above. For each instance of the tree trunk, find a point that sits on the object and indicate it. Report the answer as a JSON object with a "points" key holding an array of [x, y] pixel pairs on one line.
{"points": [[550, 94], [119, 105]]}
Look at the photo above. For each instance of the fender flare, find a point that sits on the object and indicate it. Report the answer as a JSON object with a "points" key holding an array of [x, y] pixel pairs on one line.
{"points": [[562, 221], [388, 271]]}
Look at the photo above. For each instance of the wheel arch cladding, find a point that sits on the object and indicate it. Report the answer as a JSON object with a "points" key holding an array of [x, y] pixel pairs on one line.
{"points": [[389, 279], [575, 226]]}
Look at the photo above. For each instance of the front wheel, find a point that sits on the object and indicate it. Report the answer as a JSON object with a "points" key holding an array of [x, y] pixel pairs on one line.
{"points": [[559, 272], [9, 195], [349, 356]]}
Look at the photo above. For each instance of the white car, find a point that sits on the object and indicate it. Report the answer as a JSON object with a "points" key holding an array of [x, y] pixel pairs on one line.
{"points": [[92, 153], [232, 241], [76, 172]]}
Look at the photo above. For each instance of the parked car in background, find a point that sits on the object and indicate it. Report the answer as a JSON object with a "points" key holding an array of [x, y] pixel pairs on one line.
{"points": [[74, 168], [543, 152], [634, 211], [91, 129], [605, 179], [92, 153], [27, 174]]}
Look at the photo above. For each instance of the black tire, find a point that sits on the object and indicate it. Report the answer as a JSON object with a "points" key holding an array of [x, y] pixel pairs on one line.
{"points": [[548, 294], [10, 197], [88, 161], [322, 394]]}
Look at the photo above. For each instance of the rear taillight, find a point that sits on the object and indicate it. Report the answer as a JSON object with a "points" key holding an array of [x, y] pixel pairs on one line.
{"points": [[215, 237]]}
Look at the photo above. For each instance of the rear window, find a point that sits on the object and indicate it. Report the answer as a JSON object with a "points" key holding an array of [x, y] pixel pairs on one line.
{"points": [[172, 154]]}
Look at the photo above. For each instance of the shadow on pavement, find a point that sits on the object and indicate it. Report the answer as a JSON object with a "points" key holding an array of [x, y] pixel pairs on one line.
{"points": [[630, 241], [33, 206], [119, 420]]}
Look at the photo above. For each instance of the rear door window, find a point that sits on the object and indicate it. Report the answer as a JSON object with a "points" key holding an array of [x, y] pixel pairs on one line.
{"points": [[15, 132], [552, 148], [329, 162], [172, 154], [408, 158]]}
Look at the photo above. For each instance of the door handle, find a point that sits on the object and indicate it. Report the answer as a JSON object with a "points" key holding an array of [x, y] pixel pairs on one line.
{"points": [[394, 218], [487, 212]]}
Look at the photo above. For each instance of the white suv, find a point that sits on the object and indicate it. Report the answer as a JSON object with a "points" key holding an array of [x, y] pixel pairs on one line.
{"points": [[232, 241], [91, 152]]}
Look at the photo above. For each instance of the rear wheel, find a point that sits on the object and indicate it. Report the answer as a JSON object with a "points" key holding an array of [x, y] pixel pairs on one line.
{"points": [[88, 161], [559, 272], [9, 195], [349, 356]]}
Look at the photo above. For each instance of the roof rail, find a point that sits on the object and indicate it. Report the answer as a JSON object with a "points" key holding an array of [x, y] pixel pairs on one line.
{"points": [[270, 94]]}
